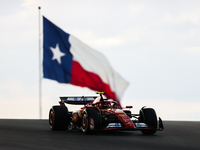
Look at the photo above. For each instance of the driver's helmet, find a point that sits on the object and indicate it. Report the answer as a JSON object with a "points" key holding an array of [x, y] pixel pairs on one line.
{"points": [[106, 105]]}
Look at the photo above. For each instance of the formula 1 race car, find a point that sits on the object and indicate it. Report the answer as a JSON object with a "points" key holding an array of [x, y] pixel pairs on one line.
{"points": [[102, 114]]}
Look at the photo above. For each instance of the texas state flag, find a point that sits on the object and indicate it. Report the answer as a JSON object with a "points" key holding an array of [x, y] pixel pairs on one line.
{"points": [[68, 60]]}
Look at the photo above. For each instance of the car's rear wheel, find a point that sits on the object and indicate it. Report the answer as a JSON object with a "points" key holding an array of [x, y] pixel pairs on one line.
{"points": [[58, 118], [90, 120], [149, 117]]}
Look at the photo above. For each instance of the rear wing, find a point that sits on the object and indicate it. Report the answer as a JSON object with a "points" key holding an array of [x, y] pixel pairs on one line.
{"points": [[78, 100]]}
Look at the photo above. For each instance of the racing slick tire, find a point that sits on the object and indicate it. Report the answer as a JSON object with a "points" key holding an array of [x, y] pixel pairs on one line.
{"points": [[90, 120], [58, 118], [149, 117]]}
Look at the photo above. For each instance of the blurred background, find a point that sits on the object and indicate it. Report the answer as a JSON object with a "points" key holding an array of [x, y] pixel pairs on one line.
{"points": [[154, 45]]}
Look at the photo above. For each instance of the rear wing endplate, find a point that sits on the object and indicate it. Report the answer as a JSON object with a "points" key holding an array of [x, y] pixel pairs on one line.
{"points": [[78, 100]]}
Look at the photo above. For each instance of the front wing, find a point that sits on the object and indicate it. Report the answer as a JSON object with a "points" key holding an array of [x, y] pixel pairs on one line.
{"points": [[135, 126]]}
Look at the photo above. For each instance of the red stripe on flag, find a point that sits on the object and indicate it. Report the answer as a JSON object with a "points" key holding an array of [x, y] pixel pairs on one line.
{"points": [[83, 78]]}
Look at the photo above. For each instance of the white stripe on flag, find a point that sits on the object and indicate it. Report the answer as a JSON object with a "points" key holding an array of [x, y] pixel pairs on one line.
{"points": [[94, 61]]}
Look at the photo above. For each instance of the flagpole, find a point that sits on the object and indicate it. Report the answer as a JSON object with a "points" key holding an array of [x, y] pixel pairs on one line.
{"points": [[40, 85]]}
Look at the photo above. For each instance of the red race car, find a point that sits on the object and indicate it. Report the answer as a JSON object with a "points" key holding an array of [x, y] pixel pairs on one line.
{"points": [[102, 114]]}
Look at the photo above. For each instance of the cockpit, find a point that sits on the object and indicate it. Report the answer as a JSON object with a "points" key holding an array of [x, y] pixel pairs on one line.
{"points": [[107, 104]]}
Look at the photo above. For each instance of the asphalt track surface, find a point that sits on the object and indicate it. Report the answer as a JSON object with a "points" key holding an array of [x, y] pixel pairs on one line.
{"points": [[35, 134]]}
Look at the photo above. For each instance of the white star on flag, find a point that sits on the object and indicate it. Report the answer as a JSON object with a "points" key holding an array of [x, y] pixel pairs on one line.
{"points": [[57, 54]]}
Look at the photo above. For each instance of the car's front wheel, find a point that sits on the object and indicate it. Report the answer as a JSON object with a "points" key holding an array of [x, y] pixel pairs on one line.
{"points": [[90, 120], [149, 117]]}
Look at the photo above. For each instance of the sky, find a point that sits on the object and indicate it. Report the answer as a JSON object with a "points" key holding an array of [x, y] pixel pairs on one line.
{"points": [[154, 45]]}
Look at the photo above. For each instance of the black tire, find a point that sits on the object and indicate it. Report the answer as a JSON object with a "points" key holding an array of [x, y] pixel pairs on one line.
{"points": [[149, 117], [90, 120], [58, 118]]}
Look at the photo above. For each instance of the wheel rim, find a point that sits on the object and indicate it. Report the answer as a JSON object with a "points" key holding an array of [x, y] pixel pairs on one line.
{"points": [[51, 118], [84, 123]]}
